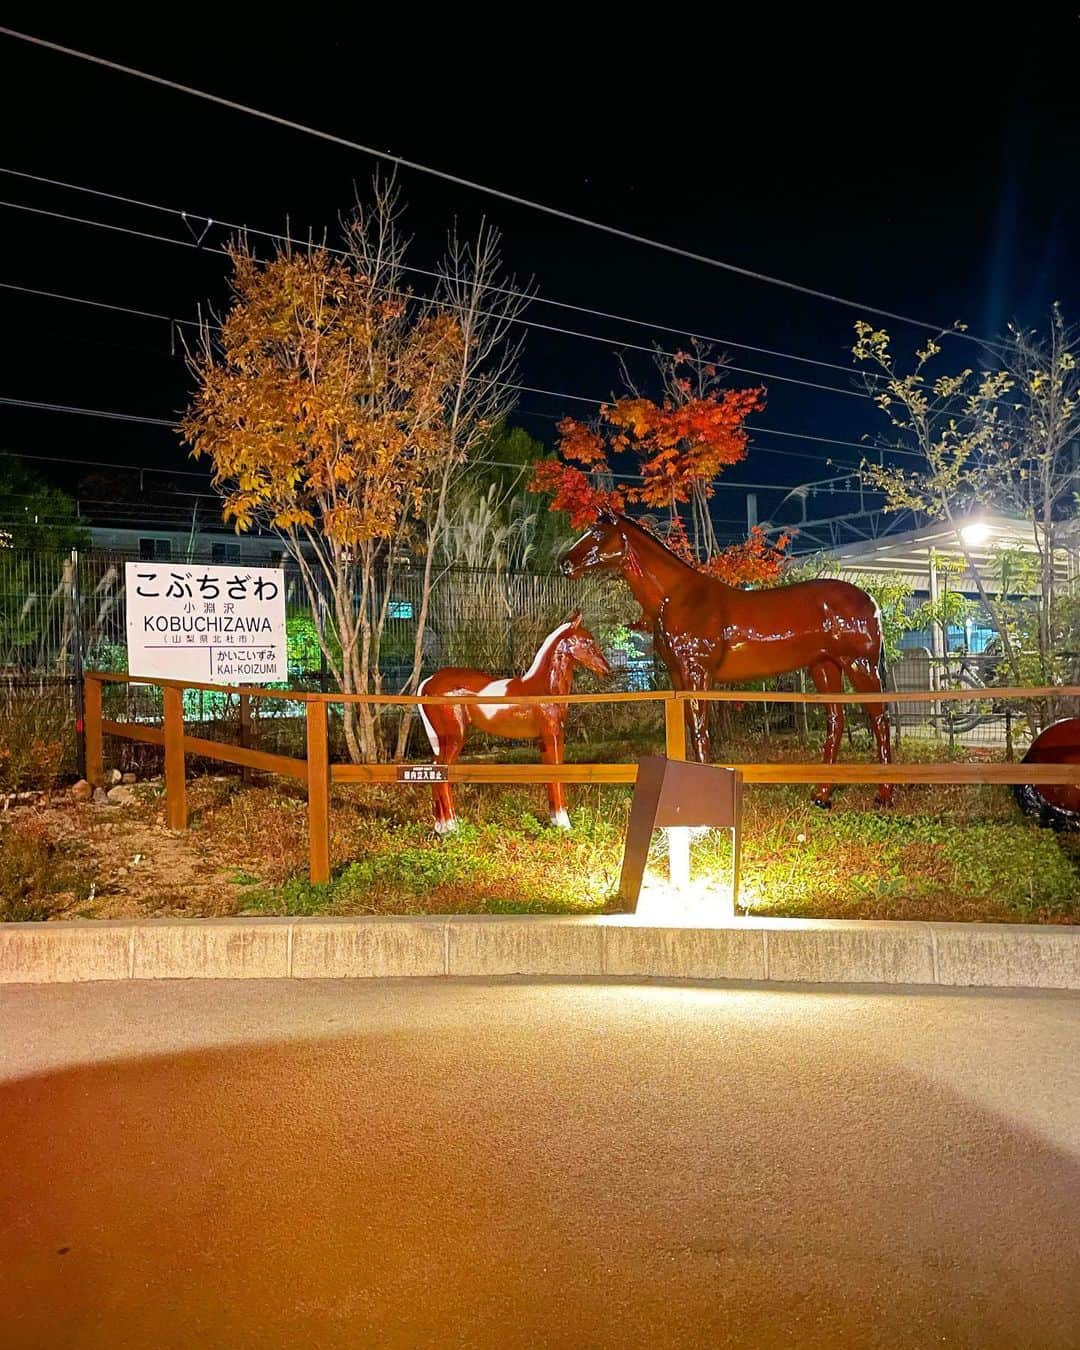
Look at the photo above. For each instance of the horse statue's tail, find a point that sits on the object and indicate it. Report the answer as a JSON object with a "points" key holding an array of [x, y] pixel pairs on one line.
{"points": [[882, 667]]}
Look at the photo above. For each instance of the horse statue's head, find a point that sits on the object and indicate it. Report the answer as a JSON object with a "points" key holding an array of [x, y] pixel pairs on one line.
{"points": [[582, 648], [602, 548]]}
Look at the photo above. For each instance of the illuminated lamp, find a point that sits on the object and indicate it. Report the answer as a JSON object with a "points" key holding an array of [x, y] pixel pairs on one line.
{"points": [[975, 533], [680, 798]]}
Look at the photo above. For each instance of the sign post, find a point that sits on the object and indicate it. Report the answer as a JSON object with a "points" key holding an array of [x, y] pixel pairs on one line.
{"points": [[207, 624]]}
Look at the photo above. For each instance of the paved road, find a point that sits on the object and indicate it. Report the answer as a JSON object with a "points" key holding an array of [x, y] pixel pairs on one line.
{"points": [[509, 1164]]}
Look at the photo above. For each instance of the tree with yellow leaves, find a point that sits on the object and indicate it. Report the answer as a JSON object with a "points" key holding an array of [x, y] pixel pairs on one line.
{"points": [[950, 422], [336, 408], [1003, 436]]}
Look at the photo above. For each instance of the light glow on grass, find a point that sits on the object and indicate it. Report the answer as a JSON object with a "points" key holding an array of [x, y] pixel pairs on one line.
{"points": [[701, 903], [680, 898], [678, 844]]}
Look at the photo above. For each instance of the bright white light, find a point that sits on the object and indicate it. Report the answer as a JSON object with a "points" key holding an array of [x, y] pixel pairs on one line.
{"points": [[681, 900], [700, 904], [678, 842], [976, 532]]}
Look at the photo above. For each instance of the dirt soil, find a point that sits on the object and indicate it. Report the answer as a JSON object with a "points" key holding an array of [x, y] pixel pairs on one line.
{"points": [[140, 868]]}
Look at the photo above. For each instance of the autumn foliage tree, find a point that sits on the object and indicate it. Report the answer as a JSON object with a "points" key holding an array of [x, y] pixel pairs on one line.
{"points": [[681, 443], [336, 408]]}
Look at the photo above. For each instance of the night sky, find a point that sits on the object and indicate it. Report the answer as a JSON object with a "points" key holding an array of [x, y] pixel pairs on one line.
{"points": [[936, 175]]}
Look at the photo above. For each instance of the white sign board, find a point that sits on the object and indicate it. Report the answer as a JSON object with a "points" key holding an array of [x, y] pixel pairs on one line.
{"points": [[215, 625]]}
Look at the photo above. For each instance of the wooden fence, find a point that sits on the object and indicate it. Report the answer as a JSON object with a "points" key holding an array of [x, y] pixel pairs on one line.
{"points": [[317, 771]]}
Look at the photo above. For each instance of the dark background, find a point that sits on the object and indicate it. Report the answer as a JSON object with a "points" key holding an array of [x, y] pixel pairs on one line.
{"points": [[931, 171]]}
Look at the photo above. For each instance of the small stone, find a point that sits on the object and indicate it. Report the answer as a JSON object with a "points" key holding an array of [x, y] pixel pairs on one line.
{"points": [[121, 871], [122, 796], [113, 776], [130, 778], [100, 797], [82, 791]]}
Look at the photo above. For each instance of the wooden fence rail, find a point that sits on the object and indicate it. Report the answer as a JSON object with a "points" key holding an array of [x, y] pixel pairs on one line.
{"points": [[319, 774]]}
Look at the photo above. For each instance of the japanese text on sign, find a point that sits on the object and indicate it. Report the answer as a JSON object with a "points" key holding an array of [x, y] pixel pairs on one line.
{"points": [[422, 773], [216, 625]]}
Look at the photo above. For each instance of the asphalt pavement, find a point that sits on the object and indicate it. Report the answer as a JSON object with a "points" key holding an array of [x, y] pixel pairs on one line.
{"points": [[505, 1163]]}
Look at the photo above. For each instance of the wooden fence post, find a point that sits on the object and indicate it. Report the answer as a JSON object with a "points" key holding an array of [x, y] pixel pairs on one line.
{"points": [[675, 727], [95, 755], [318, 767], [175, 783]]}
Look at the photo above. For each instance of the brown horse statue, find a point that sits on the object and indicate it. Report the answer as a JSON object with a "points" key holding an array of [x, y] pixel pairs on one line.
{"points": [[552, 672], [709, 633]]}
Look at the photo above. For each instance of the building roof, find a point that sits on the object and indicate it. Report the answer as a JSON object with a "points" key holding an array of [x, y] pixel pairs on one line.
{"points": [[907, 554]]}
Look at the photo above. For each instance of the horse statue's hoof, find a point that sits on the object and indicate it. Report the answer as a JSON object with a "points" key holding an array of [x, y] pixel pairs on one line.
{"points": [[560, 821]]}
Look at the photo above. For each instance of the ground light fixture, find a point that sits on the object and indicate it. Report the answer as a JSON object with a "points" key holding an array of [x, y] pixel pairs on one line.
{"points": [[975, 533], [679, 798]]}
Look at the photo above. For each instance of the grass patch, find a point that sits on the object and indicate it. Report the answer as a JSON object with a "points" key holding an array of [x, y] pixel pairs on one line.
{"points": [[858, 863], [947, 852], [511, 866], [39, 878], [943, 853]]}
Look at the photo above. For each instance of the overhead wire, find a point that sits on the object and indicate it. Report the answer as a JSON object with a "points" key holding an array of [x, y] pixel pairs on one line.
{"points": [[515, 319], [537, 299], [459, 180], [555, 394], [532, 389], [42, 406]]}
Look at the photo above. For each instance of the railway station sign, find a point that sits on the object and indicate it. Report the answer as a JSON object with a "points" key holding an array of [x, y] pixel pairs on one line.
{"points": [[215, 625]]}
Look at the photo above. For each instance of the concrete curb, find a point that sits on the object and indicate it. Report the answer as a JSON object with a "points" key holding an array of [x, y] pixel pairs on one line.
{"points": [[820, 951]]}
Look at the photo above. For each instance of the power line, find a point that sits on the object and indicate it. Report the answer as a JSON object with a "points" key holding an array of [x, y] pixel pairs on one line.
{"points": [[101, 464], [459, 181], [86, 412], [96, 304], [118, 229], [522, 388], [38, 406], [188, 216], [758, 448], [768, 431], [527, 323]]}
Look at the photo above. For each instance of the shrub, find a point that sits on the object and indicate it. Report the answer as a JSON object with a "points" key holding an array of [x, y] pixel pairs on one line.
{"points": [[38, 877], [36, 737]]}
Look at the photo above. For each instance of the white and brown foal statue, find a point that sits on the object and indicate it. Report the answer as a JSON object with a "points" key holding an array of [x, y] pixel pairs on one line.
{"points": [[552, 672]]}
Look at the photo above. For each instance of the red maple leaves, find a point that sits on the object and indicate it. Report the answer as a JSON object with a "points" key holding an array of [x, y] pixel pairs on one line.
{"points": [[682, 444], [573, 491], [758, 561]]}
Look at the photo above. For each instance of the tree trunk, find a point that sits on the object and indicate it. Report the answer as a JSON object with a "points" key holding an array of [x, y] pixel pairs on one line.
{"points": [[434, 535]]}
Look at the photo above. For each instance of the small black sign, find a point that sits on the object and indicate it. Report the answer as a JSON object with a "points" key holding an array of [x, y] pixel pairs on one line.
{"points": [[422, 773]]}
